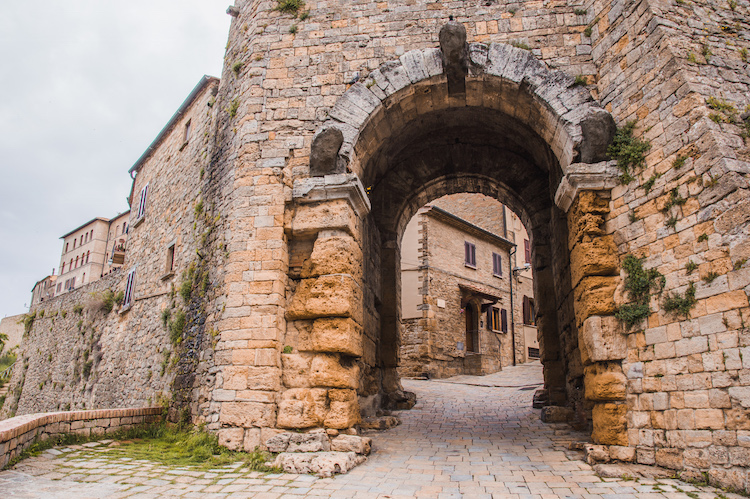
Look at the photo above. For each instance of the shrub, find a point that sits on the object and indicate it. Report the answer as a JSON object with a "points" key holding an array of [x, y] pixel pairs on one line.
{"points": [[639, 284], [237, 67], [690, 267], [681, 304], [119, 297], [289, 6], [177, 327], [679, 162], [629, 151], [78, 309]]}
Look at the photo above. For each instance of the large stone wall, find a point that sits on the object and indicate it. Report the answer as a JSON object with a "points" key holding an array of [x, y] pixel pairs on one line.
{"points": [[78, 356]]}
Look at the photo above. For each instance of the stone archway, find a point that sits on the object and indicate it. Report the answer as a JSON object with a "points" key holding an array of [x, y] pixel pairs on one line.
{"points": [[463, 118]]}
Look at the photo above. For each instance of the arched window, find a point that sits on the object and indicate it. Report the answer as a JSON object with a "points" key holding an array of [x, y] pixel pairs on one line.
{"points": [[76, 262], [70, 267], [74, 243], [88, 253], [62, 270], [83, 279]]}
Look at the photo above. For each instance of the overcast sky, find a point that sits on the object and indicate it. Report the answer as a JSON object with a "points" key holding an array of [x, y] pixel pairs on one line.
{"points": [[86, 86]]}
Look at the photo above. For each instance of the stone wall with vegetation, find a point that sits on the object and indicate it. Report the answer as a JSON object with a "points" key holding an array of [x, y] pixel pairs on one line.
{"points": [[79, 353]]}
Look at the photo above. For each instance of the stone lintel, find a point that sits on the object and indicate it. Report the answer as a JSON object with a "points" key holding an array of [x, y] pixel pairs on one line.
{"points": [[337, 186], [585, 177]]}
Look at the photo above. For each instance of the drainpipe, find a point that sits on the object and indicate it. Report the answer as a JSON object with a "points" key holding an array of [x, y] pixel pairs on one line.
{"points": [[511, 275]]}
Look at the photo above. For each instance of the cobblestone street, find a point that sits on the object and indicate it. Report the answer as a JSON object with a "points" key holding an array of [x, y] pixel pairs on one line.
{"points": [[471, 437]]}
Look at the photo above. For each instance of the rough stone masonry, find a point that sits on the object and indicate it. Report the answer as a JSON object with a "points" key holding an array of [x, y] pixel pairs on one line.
{"points": [[329, 130]]}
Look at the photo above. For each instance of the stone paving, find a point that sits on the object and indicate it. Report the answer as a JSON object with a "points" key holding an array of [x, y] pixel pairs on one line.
{"points": [[478, 440]]}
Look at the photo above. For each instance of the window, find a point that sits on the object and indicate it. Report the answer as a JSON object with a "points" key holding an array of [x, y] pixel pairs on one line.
{"points": [[76, 263], [527, 250], [88, 254], [124, 227], [81, 244], [494, 319], [470, 254], [528, 311], [187, 132], [497, 265], [504, 321], [142, 202], [70, 267], [72, 283], [129, 289], [74, 243], [169, 268], [62, 270], [66, 247], [83, 278], [59, 287]]}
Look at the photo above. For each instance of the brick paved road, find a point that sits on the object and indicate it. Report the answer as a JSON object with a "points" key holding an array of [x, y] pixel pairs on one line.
{"points": [[470, 437]]}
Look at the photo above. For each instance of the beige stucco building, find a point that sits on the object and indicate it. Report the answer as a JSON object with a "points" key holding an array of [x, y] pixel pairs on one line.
{"points": [[467, 273], [92, 250]]}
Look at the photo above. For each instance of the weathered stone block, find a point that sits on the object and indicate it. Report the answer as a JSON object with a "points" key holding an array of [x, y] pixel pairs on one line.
{"points": [[351, 443], [231, 438], [344, 409], [597, 257], [557, 414], [601, 339], [315, 441], [604, 383], [302, 408], [296, 372], [247, 414], [337, 335], [309, 219], [327, 370], [610, 424], [334, 255], [252, 439], [278, 443], [326, 296], [595, 296], [321, 463]]}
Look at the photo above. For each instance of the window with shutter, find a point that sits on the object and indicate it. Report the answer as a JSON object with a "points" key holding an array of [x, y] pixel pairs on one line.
{"points": [[497, 265], [504, 321], [527, 250], [142, 201], [470, 254], [129, 289]]}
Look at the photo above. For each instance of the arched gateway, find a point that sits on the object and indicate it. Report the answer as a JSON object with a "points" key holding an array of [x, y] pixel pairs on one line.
{"points": [[477, 118]]}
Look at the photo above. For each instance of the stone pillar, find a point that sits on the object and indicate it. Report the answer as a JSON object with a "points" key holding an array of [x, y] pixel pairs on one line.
{"points": [[594, 270], [321, 376]]}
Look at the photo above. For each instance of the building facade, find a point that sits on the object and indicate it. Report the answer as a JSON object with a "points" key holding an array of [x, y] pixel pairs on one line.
{"points": [[466, 271], [92, 250]]}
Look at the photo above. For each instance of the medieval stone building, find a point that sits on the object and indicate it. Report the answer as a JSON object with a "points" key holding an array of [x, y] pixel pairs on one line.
{"points": [[287, 192]]}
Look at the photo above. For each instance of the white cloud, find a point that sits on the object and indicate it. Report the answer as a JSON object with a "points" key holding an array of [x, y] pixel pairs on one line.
{"points": [[87, 85]]}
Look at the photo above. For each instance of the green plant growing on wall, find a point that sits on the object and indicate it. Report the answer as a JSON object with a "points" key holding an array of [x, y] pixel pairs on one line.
{"points": [[580, 81], [710, 277], [237, 67], [727, 110], [632, 217], [680, 304], [671, 222], [119, 297], [580, 12], [166, 314], [649, 184], [732, 4], [520, 45], [743, 54], [293, 29], [78, 309], [289, 6], [706, 52], [674, 200], [690, 267], [287, 349], [28, 322], [233, 107], [628, 150], [639, 283], [712, 181], [177, 327], [737, 266], [702, 237], [198, 208], [304, 15], [587, 31], [679, 162]]}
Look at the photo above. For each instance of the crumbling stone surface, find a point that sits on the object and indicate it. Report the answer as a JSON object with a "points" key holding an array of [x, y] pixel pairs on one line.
{"points": [[557, 414], [324, 464], [351, 443]]}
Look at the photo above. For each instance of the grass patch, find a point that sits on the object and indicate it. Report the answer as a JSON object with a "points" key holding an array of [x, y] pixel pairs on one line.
{"points": [[520, 45], [162, 443], [290, 6], [690, 267]]}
